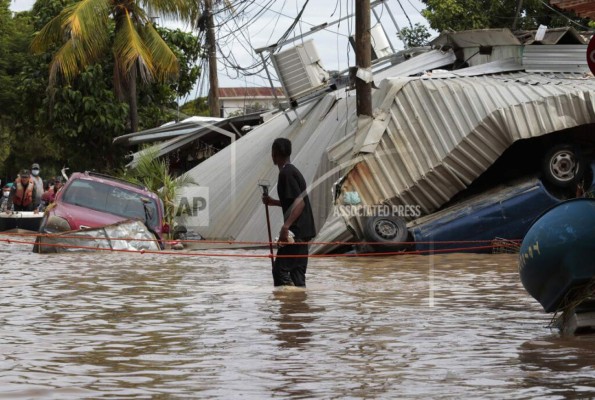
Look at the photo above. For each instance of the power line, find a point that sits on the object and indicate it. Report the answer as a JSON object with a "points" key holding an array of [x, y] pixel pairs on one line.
{"points": [[563, 15]]}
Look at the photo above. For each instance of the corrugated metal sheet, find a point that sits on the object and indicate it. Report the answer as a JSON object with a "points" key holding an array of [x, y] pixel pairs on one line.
{"points": [[494, 67], [562, 58], [476, 38], [235, 209], [430, 138], [443, 133], [417, 65], [168, 146], [168, 130]]}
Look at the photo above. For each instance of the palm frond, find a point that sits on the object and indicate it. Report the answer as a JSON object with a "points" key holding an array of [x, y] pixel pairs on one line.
{"points": [[183, 10], [131, 50], [165, 61], [153, 173], [87, 21], [50, 34], [68, 61], [82, 31]]}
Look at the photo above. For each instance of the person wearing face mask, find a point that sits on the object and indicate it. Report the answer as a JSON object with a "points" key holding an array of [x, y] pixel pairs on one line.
{"points": [[4, 199], [38, 182], [23, 194]]}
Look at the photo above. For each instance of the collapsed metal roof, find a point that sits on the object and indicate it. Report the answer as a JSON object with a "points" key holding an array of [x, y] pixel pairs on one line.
{"points": [[173, 136], [429, 139], [433, 132]]}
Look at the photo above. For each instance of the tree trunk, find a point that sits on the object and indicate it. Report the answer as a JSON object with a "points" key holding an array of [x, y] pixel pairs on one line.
{"points": [[132, 100], [212, 52]]}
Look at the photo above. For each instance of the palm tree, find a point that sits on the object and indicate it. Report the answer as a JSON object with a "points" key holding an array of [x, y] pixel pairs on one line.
{"points": [[88, 29], [153, 173]]}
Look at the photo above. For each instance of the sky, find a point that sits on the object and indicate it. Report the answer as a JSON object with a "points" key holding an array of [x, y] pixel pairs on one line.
{"points": [[264, 21]]}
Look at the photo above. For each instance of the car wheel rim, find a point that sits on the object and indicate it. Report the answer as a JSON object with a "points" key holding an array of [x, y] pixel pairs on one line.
{"points": [[563, 166], [386, 229]]}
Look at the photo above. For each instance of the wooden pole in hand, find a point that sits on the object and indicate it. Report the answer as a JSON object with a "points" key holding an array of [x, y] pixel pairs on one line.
{"points": [[270, 236], [264, 185]]}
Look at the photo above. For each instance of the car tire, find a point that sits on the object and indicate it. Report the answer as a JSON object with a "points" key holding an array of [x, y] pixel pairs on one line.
{"points": [[562, 166], [389, 232]]}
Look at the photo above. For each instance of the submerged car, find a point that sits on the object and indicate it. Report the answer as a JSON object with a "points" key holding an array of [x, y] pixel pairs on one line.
{"points": [[91, 200], [503, 213]]}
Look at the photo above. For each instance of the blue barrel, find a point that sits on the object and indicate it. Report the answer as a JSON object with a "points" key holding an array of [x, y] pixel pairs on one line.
{"points": [[558, 252]]}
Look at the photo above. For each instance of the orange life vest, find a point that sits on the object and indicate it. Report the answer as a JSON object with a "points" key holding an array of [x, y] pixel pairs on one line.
{"points": [[23, 196]]}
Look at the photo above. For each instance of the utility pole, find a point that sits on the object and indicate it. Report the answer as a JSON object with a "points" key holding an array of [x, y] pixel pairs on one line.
{"points": [[517, 14], [363, 56], [214, 109]]}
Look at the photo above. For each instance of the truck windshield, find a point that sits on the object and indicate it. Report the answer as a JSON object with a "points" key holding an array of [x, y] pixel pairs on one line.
{"points": [[113, 200]]}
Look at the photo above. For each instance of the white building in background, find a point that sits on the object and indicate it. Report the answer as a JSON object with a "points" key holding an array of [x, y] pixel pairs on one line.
{"points": [[247, 100]]}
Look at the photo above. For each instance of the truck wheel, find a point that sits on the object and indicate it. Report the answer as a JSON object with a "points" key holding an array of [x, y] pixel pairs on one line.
{"points": [[562, 166], [388, 232]]}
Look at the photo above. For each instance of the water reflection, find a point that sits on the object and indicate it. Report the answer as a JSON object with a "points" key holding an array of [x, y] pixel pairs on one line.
{"points": [[142, 326], [294, 318]]}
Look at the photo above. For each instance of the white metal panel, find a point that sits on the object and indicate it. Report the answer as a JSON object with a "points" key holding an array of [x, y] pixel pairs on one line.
{"points": [[417, 65], [555, 58], [235, 209]]}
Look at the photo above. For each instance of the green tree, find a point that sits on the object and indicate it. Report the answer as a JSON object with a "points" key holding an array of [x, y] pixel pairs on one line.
{"points": [[75, 123], [88, 30], [198, 106], [158, 102], [15, 35], [458, 15], [417, 36]]}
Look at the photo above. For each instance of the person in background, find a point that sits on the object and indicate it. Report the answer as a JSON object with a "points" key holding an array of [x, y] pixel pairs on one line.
{"points": [[4, 199], [49, 195], [38, 182], [297, 217], [23, 194]]}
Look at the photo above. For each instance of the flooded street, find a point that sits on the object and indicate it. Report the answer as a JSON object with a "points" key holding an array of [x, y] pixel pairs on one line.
{"points": [[156, 326]]}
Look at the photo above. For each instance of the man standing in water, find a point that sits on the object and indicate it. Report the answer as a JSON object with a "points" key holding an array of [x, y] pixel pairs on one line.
{"points": [[297, 217]]}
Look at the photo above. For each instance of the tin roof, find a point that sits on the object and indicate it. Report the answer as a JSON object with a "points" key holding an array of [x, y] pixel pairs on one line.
{"points": [[430, 138], [556, 58], [434, 136], [476, 38]]}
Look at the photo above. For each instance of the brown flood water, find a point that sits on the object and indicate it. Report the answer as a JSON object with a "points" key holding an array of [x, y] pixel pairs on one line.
{"points": [[131, 326]]}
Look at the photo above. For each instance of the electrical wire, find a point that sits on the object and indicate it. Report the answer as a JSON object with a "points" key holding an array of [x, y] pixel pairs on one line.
{"points": [[404, 12], [563, 15]]}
